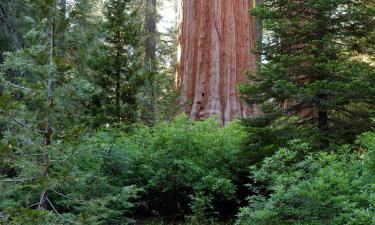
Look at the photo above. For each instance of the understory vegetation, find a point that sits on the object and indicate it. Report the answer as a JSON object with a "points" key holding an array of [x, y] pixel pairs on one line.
{"points": [[189, 171], [296, 186]]}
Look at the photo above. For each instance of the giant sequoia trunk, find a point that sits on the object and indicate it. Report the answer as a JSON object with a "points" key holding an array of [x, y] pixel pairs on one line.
{"points": [[215, 42]]}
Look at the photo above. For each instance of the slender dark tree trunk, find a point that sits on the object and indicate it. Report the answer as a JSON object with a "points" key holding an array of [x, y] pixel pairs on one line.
{"points": [[43, 204], [322, 114], [323, 128], [1, 56], [149, 60], [150, 42], [118, 77]]}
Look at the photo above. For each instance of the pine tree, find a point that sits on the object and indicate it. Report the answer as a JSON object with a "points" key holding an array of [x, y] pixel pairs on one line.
{"points": [[44, 94], [313, 77], [118, 64], [29, 80]]}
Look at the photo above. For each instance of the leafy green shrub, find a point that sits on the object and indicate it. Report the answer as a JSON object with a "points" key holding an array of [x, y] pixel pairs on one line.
{"points": [[320, 188], [174, 161], [181, 167], [202, 209]]}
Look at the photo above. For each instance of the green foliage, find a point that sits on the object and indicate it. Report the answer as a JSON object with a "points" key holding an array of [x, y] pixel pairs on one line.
{"points": [[294, 187], [82, 187], [264, 137], [178, 163], [314, 68], [315, 85], [29, 217], [202, 210], [118, 64], [75, 194]]}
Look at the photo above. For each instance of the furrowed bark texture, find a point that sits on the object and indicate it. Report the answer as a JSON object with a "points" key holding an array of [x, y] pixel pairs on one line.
{"points": [[215, 42]]}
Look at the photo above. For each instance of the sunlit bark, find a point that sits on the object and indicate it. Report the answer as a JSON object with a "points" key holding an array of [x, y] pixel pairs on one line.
{"points": [[215, 42]]}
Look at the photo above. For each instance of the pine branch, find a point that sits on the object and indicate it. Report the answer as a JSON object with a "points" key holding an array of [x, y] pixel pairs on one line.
{"points": [[42, 198]]}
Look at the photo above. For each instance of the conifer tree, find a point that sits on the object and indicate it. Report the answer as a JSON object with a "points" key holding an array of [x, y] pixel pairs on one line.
{"points": [[119, 62], [44, 92], [29, 79], [313, 76]]}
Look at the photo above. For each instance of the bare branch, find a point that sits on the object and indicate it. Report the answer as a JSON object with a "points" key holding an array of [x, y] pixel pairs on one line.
{"points": [[19, 87], [21, 123], [58, 214], [63, 195], [30, 155], [29, 206], [64, 160], [20, 180]]}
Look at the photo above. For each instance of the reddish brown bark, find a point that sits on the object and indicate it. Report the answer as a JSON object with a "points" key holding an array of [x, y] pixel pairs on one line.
{"points": [[215, 42]]}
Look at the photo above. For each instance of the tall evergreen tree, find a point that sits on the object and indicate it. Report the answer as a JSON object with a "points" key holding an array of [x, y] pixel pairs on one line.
{"points": [[29, 79], [44, 92], [118, 63], [313, 77]]}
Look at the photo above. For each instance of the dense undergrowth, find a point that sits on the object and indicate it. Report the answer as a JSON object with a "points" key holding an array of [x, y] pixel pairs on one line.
{"points": [[189, 171], [298, 187], [183, 167]]}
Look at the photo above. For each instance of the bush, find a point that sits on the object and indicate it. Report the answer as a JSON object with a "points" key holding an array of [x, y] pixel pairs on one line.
{"points": [[320, 188], [177, 163]]}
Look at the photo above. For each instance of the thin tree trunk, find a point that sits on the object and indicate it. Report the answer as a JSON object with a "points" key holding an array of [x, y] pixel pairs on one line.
{"points": [[321, 95], [1, 56], [323, 128], [118, 77], [215, 40], [43, 204], [149, 60], [150, 42]]}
